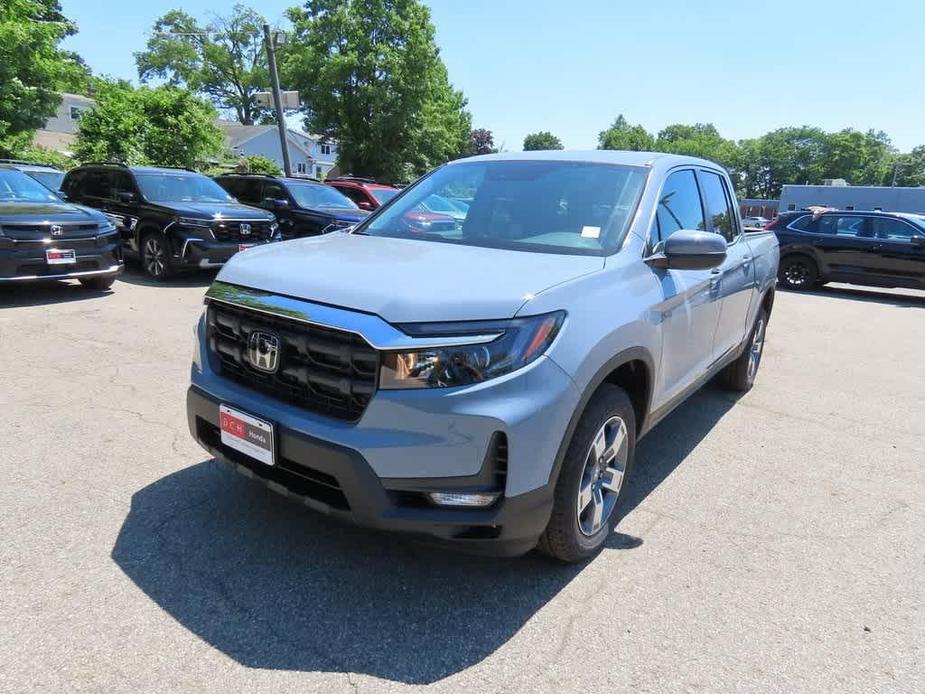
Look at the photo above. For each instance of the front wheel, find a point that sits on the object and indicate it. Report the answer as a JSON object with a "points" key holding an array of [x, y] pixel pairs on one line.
{"points": [[155, 256], [593, 478]]}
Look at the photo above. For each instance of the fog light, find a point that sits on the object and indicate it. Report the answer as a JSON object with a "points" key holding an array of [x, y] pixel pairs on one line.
{"points": [[479, 499]]}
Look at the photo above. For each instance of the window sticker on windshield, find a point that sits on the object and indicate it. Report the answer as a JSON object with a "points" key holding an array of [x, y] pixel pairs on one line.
{"points": [[591, 232]]}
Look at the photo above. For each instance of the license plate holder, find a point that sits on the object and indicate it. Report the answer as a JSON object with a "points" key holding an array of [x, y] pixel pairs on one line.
{"points": [[60, 256], [247, 434]]}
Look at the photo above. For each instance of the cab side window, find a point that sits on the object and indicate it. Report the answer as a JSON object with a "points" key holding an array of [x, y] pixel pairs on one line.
{"points": [[679, 206], [97, 184], [718, 206], [274, 190], [842, 225], [124, 184]]}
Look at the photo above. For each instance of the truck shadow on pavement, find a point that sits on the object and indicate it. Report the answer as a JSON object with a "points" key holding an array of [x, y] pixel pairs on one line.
{"points": [[900, 298], [275, 586], [47, 293]]}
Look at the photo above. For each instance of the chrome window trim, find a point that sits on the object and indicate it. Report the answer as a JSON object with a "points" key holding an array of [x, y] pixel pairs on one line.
{"points": [[374, 330]]}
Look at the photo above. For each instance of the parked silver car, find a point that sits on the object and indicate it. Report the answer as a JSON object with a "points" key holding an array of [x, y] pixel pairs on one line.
{"points": [[486, 384]]}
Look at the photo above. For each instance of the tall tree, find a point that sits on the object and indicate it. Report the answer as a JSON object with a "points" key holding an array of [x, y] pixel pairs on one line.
{"points": [[622, 135], [541, 140], [166, 125], [481, 141], [32, 67], [371, 76], [224, 60], [907, 169]]}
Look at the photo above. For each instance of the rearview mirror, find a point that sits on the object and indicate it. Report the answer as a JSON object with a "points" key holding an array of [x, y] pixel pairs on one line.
{"points": [[688, 249]]}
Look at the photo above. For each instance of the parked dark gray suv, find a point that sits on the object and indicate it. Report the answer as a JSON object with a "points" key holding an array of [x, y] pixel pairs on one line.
{"points": [[170, 218]]}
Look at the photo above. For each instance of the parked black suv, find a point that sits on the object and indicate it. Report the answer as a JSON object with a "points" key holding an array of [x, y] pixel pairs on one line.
{"points": [[304, 207], [42, 237], [879, 249], [48, 176], [170, 218]]}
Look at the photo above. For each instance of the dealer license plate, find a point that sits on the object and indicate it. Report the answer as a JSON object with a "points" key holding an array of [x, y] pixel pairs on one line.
{"points": [[246, 434], [60, 256]]}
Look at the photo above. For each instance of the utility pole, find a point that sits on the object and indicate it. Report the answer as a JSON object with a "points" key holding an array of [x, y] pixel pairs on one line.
{"points": [[277, 97]]}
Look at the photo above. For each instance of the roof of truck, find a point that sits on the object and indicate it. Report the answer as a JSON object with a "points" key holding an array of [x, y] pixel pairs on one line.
{"points": [[595, 156]]}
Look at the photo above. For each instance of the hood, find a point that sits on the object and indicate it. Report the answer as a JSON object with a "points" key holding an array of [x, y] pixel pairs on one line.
{"points": [[403, 280], [216, 210], [45, 212]]}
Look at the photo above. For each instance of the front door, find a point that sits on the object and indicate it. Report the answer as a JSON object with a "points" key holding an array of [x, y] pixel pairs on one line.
{"points": [[843, 241], [689, 311], [733, 282], [897, 256]]}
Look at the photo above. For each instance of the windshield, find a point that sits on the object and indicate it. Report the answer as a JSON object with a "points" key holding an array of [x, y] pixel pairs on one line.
{"points": [[308, 195], [383, 195], [15, 186], [435, 203], [553, 206], [180, 187], [50, 179]]}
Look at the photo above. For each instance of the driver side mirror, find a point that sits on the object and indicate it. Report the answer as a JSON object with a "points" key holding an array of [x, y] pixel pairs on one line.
{"points": [[127, 196], [918, 240], [276, 203], [688, 249], [365, 205]]}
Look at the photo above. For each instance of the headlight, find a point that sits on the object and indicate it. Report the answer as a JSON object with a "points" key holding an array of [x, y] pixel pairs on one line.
{"points": [[521, 342], [194, 222]]}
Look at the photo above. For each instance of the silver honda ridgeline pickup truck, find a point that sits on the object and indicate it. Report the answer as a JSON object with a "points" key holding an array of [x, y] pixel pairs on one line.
{"points": [[483, 378]]}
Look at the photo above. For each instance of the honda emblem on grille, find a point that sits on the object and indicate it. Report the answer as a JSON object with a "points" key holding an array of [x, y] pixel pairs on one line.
{"points": [[56, 230], [245, 229], [263, 351]]}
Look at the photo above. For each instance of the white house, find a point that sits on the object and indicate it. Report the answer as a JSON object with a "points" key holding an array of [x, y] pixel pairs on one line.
{"points": [[307, 154], [60, 130]]}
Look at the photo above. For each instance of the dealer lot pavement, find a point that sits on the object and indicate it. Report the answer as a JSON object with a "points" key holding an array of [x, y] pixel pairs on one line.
{"points": [[770, 544]]}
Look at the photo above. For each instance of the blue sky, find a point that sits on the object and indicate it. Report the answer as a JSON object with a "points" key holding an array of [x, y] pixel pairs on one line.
{"points": [[571, 67]]}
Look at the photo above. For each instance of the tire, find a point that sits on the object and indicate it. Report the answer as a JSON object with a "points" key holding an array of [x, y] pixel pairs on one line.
{"points": [[740, 375], [798, 272], [155, 256], [98, 284], [572, 534]]}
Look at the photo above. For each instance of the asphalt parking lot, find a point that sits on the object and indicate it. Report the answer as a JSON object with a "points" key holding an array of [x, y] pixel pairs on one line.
{"points": [[774, 543]]}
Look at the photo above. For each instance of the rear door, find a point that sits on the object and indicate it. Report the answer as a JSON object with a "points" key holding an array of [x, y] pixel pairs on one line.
{"points": [[842, 243], [897, 256], [689, 311], [733, 282]]}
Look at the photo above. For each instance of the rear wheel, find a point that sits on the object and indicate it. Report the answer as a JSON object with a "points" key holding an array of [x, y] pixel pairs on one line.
{"points": [[593, 478], [740, 374], [98, 284], [798, 272], [155, 256]]}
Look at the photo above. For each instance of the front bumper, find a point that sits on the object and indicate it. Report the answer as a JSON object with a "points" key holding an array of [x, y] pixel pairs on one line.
{"points": [[24, 261], [408, 442], [338, 481], [205, 253]]}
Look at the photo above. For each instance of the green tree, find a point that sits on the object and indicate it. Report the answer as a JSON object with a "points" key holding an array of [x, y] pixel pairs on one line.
{"points": [[33, 68], [907, 169], [167, 126], [371, 76], [699, 140], [622, 135], [541, 140], [223, 60], [860, 158]]}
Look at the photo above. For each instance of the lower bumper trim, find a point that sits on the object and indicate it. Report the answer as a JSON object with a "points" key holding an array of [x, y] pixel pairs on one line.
{"points": [[111, 270]]}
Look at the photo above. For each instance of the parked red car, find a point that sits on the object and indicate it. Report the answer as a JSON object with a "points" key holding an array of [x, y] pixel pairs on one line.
{"points": [[365, 192]]}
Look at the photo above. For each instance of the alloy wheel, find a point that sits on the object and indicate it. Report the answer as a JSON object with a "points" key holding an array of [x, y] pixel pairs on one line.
{"points": [[755, 349], [796, 273], [155, 257], [602, 476]]}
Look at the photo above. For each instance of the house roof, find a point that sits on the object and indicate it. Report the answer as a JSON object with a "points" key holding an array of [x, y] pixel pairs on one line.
{"points": [[236, 134]]}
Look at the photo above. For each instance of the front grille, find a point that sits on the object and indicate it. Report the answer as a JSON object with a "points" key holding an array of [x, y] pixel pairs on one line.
{"points": [[325, 370], [230, 230], [37, 232]]}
